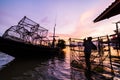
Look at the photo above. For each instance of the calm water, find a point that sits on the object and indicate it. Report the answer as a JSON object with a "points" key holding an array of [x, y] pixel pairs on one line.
{"points": [[57, 68]]}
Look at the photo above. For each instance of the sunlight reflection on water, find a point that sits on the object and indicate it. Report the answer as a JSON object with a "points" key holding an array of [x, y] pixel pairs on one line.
{"points": [[5, 59], [57, 68]]}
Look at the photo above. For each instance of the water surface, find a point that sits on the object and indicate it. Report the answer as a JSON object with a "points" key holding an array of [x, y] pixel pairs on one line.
{"points": [[56, 68]]}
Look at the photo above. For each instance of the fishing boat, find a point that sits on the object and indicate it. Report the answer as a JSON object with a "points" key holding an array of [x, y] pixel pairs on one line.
{"points": [[27, 39]]}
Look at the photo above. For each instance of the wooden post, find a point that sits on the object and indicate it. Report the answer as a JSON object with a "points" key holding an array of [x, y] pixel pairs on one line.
{"points": [[100, 50], [108, 41]]}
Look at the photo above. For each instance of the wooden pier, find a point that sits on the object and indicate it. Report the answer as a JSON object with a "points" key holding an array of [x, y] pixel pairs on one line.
{"points": [[101, 59]]}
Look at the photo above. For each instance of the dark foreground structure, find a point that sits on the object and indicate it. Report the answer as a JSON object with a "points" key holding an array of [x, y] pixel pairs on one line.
{"points": [[27, 39], [20, 49], [112, 10]]}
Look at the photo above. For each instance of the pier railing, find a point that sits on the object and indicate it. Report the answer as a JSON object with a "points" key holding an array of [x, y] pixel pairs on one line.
{"points": [[100, 59]]}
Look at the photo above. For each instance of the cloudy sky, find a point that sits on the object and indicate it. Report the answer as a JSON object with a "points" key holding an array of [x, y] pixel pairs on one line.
{"points": [[73, 18]]}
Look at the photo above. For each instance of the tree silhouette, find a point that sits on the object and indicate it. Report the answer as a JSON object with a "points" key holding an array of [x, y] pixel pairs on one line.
{"points": [[61, 44]]}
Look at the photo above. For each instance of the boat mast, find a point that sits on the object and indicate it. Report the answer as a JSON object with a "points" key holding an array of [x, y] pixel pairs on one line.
{"points": [[53, 42]]}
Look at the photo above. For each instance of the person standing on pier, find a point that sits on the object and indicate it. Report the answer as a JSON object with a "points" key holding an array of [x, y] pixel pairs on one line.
{"points": [[88, 46]]}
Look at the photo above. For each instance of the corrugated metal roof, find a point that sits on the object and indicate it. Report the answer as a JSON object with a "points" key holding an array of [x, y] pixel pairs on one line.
{"points": [[112, 10]]}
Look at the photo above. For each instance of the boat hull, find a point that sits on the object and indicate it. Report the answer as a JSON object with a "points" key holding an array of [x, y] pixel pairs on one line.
{"points": [[20, 49]]}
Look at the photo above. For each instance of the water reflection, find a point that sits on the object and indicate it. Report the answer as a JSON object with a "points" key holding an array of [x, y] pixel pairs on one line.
{"points": [[5, 59], [56, 68]]}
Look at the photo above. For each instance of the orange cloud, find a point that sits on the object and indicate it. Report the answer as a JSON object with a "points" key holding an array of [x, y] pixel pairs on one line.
{"points": [[86, 27], [85, 24]]}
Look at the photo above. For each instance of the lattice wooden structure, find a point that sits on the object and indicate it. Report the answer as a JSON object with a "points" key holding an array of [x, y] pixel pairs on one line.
{"points": [[27, 31], [98, 57]]}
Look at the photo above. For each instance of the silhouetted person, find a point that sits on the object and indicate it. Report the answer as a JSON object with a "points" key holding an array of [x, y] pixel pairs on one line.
{"points": [[69, 41], [53, 43], [88, 46]]}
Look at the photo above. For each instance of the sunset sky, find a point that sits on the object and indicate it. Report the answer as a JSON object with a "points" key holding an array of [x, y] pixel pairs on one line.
{"points": [[74, 18]]}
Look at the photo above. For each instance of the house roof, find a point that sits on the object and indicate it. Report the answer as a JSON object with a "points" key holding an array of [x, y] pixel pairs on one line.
{"points": [[112, 10]]}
